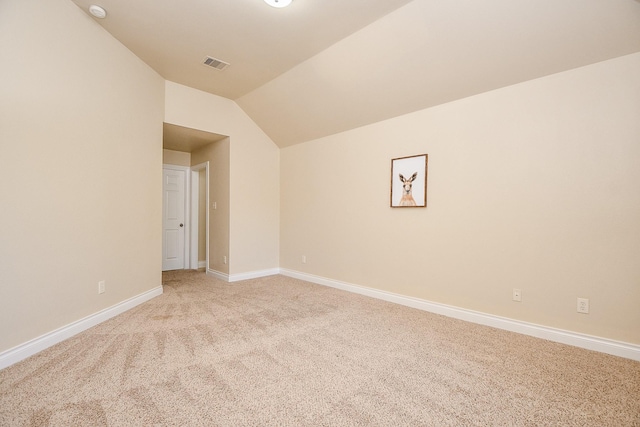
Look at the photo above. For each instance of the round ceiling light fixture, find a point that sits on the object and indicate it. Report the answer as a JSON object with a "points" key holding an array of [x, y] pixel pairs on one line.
{"points": [[278, 3], [97, 11]]}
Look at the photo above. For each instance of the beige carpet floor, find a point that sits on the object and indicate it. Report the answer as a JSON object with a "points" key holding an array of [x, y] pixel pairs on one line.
{"points": [[282, 352]]}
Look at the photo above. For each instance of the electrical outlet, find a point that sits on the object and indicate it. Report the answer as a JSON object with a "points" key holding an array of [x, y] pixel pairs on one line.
{"points": [[517, 294], [102, 287], [304, 259], [224, 259], [583, 305], [214, 205]]}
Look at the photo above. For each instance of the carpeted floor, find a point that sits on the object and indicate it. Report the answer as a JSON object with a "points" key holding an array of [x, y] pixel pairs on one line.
{"points": [[278, 351]]}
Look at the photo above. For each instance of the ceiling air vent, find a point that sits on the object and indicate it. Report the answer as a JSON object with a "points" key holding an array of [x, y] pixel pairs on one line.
{"points": [[215, 63]]}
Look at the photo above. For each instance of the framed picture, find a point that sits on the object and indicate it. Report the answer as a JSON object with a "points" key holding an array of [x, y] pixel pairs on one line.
{"points": [[409, 182]]}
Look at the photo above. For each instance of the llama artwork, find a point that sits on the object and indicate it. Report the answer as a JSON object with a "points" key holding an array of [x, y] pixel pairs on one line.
{"points": [[407, 183]]}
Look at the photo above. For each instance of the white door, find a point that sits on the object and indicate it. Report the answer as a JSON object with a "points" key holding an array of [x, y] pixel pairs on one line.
{"points": [[173, 202]]}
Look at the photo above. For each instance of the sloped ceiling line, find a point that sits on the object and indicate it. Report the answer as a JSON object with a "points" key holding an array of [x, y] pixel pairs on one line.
{"points": [[320, 67]]}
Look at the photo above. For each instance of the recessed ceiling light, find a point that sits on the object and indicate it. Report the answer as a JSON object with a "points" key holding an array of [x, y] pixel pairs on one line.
{"points": [[97, 11], [278, 3]]}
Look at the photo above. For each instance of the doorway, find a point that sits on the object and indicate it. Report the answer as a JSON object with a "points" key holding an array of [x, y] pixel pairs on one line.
{"points": [[199, 251], [174, 190], [185, 217]]}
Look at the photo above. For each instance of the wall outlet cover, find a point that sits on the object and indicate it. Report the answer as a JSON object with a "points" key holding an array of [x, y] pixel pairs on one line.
{"points": [[583, 305], [517, 294]]}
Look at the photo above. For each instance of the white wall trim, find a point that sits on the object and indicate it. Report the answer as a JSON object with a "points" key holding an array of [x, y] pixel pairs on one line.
{"points": [[589, 342], [253, 274], [218, 274], [202, 264], [193, 200], [243, 276], [29, 348]]}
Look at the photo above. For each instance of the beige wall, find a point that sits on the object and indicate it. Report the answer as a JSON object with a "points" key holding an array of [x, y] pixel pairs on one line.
{"points": [[217, 154], [535, 186], [177, 158], [254, 228], [80, 166]]}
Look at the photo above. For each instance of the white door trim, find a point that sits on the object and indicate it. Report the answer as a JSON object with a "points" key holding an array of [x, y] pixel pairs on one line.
{"points": [[187, 209], [194, 195], [194, 220]]}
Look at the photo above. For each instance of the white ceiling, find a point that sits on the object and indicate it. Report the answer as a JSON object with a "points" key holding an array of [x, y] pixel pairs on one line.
{"points": [[319, 67]]}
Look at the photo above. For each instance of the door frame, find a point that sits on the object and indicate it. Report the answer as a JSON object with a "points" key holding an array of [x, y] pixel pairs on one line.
{"points": [[191, 206], [193, 195]]}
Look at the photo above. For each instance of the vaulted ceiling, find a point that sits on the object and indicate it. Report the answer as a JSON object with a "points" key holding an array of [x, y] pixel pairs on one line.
{"points": [[320, 67]]}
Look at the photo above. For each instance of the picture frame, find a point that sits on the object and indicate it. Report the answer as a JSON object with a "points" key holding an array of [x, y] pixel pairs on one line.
{"points": [[409, 181]]}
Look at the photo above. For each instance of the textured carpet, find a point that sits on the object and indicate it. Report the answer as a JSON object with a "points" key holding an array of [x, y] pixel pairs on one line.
{"points": [[282, 352]]}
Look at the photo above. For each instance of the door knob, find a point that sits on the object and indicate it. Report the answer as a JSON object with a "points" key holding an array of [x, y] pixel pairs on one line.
{"points": [[181, 225]]}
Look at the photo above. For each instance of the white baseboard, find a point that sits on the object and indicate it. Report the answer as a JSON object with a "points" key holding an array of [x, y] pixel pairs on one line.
{"points": [[242, 276], [589, 342], [22, 351], [254, 274], [202, 264], [218, 274]]}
